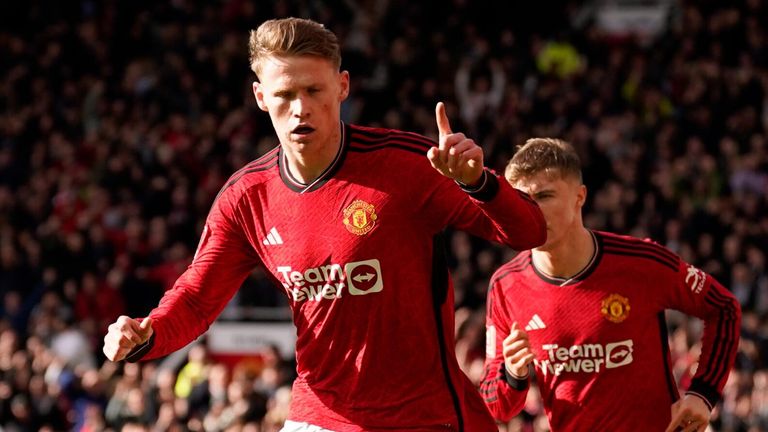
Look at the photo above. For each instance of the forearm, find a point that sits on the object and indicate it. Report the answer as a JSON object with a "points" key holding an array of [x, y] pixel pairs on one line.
{"points": [[517, 220], [722, 324], [503, 394]]}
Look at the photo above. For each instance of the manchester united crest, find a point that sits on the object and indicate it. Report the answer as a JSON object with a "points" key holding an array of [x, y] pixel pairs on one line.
{"points": [[615, 308], [360, 217]]}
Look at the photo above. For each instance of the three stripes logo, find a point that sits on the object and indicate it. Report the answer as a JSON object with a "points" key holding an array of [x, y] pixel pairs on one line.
{"points": [[535, 323], [273, 238]]}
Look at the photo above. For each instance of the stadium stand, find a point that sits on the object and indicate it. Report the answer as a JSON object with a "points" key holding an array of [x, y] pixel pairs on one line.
{"points": [[120, 121]]}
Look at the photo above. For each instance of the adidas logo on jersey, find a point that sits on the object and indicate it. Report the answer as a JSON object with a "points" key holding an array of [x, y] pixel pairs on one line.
{"points": [[535, 323], [273, 238]]}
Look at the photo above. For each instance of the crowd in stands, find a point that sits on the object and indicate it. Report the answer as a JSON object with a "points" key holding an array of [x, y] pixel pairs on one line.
{"points": [[120, 121]]}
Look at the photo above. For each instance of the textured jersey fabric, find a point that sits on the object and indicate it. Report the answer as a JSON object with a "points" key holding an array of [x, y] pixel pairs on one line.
{"points": [[602, 357], [358, 254]]}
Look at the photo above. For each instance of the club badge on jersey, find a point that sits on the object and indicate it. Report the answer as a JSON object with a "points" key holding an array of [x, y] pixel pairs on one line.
{"points": [[615, 308], [360, 217]]}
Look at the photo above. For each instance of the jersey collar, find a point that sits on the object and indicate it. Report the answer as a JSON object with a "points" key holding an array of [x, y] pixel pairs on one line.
{"points": [[327, 174], [597, 254]]}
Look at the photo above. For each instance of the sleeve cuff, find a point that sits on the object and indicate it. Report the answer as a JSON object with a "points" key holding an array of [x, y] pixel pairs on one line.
{"points": [[518, 384], [486, 190], [140, 351], [706, 392]]}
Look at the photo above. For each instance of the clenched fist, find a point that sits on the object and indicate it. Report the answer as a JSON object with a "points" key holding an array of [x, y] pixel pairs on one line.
{"points": [[517, 352], [124, 335]]}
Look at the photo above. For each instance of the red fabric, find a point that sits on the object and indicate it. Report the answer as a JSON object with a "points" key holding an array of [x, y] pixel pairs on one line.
{"points": [[627, 385], [369, 350]]}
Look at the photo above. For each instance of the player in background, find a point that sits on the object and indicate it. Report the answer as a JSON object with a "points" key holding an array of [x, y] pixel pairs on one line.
{"points": [[587, 310], [347, 221]]}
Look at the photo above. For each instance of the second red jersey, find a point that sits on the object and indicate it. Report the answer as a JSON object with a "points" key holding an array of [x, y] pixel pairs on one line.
{"points": [[600, 339]]}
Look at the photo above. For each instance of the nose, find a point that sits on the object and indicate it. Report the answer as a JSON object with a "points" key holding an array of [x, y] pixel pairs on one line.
{"points": [[300, 107]]}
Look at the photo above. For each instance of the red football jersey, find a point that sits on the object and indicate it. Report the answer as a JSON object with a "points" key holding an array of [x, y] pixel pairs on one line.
{"points": [[602, 355], [358, 254]]}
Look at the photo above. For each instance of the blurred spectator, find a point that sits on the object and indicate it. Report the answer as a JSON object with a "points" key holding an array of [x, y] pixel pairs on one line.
{"points": [[192, 373]]}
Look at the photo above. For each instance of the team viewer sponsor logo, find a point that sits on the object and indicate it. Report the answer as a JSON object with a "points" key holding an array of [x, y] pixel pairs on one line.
{"points": [[331, 281], [585, 358]]}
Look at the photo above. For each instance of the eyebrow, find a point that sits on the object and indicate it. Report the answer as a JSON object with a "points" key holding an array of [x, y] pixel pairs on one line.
{"points": [[542, 191]]}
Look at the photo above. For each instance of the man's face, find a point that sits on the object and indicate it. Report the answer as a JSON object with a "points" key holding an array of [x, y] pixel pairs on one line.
{"points": [[560, 199], [303, 96]]}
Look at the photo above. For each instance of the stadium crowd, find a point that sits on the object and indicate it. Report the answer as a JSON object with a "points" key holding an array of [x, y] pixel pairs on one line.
{"points": [[120, 121]]}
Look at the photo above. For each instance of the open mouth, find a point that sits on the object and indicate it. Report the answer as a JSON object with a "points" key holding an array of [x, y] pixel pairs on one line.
{"points": [[302, 130]]}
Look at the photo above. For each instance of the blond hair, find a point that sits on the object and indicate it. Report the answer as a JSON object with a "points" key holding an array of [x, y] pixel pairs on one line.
{"points": [[292, 37], [550, 155]]}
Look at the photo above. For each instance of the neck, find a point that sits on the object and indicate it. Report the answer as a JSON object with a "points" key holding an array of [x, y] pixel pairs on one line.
{"points": [[567, 258], [309, 161]]}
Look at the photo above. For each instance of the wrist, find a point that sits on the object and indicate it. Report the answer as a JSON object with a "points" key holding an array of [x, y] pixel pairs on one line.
{"points": [[474, 184], [518, 375], [518, 384]]}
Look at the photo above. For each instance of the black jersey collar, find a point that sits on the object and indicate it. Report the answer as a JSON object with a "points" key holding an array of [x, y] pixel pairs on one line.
{"points": [[297, 186], [581, 275]]}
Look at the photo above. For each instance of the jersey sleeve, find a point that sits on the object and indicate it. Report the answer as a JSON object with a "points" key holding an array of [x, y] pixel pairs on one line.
{"points": [[222, 262], [699, 294], [503, 395], [494, 211]]}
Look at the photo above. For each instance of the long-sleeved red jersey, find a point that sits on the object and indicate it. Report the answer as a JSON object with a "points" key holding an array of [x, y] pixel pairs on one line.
{"points": [[357, 252], [600, 342]]}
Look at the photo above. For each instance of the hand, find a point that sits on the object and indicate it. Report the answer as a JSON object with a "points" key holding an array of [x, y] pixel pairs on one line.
{"points": [[517, 352], [124, 335], [689, 414], [456, 157]]}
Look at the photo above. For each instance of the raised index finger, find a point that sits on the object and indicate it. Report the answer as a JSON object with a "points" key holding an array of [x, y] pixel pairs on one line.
{"points": [[443, 126]]}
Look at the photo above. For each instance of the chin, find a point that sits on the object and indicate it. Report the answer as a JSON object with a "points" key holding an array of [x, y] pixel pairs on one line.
{"points": [[298, 143]]}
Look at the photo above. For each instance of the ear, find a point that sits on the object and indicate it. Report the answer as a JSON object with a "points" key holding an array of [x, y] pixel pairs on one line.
{"points": [[258, 93], [344, 83], [581, 196]]}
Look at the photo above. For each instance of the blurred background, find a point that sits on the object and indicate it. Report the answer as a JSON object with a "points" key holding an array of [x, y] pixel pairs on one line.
{"points": [[120, 121]]}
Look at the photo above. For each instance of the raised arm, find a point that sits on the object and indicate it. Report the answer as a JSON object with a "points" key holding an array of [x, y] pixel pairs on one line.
{"points": [[495, 211]]}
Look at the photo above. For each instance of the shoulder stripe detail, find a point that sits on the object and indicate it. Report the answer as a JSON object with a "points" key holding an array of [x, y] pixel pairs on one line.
{"points": [[610, 249], [264, 159], [257, 169], [391, 144], [509, 271], [261, 164], [376, 136], [518, 259], [639, 244]]}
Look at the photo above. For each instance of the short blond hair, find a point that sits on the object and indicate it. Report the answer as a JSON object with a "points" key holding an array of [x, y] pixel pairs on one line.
{"points": [[551, 155], [292, 37]]}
